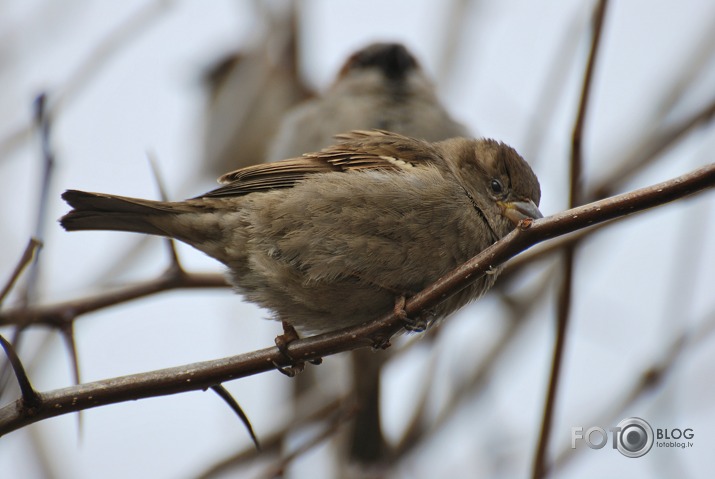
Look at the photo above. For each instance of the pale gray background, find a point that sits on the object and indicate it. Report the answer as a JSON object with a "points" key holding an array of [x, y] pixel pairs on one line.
{"points": [[147, 98]]}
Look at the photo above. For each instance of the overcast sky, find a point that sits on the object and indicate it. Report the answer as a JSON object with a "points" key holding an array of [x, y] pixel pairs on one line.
{"points": [[146, 97]]}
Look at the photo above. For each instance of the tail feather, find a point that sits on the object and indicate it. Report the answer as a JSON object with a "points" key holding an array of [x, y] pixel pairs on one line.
{"points": [[97, 211]]}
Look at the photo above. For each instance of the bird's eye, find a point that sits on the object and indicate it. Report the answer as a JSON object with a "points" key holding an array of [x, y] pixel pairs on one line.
{"points": [[496, 187]]}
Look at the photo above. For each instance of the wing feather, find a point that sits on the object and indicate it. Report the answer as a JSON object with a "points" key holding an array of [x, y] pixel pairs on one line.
{"points": [[357, 150]]}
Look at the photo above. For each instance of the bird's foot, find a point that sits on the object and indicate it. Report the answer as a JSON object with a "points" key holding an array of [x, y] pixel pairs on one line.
{"points": [[380, 342], [294, 365], [415, 325]]}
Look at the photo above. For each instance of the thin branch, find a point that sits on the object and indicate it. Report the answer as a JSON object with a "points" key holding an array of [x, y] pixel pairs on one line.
{"points": [[27, 295], [203, 375], [59, 314], [565, 297], [577, 137], [25, 259], [44, 127], [662, 137]]}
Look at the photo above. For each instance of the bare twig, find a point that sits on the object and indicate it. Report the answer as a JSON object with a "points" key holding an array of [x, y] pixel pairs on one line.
{"points": [[206, 374], [59, 314], [564, 304], [25, 259], [44, 127]]}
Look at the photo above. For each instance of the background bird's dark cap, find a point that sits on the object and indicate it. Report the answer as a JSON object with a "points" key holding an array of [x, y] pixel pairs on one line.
{"points": [[393, 59]]}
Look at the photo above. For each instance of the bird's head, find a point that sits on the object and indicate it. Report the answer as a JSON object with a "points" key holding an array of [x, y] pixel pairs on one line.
{"points": [[501, 184]]}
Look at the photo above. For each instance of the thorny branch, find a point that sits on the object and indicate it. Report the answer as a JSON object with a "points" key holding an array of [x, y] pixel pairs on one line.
{"points": [[203, 375], [61, 314]]}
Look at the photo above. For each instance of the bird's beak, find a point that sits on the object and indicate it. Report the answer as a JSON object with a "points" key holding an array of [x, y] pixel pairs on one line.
{"points": [[516, 211]]}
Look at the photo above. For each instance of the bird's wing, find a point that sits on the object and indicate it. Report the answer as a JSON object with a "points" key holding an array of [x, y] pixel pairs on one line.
{"points": [[357, 150]]}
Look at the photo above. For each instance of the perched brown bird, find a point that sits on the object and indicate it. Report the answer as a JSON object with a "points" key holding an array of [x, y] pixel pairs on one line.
{"points": [[381, 86], [330, 239]]}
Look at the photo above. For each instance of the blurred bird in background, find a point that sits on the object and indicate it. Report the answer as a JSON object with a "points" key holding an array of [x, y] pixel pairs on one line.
{"points": [[379, 86], [248, 92]]}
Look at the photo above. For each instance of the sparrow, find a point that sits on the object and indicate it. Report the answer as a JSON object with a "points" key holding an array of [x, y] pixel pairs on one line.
{"points": [[381, 86], [331, 239]]}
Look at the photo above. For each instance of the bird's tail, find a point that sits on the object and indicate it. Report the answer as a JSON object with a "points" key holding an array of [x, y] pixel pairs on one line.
{"points": [[98, 211]]}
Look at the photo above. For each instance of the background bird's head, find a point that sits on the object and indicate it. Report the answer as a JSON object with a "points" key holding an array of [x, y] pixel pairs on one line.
{"points": [[381, 65], [392, 60]]}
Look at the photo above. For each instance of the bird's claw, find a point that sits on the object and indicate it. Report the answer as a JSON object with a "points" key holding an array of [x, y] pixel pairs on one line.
{"points": [[294, 366], [415, 325], [380, 342], [399, 308]]}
